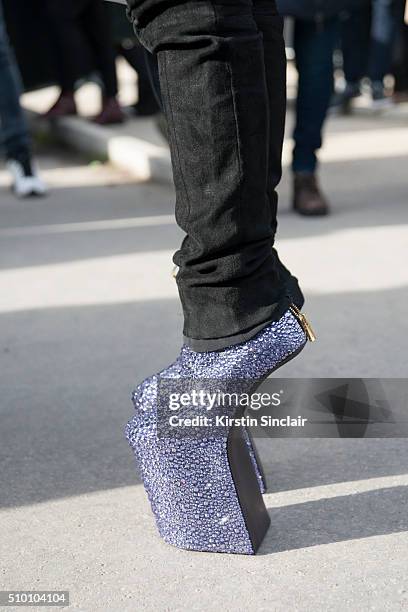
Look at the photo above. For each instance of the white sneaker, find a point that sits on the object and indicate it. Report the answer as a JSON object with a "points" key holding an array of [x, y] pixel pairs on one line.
{"points": [[26, 181]]}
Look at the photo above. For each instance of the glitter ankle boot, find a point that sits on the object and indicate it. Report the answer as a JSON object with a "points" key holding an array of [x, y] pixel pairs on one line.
{"points": [[204, 491]]}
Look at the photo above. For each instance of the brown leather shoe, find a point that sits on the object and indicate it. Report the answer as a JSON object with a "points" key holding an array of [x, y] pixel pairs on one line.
{"points": [[111, 113], [64, 106], [308, 199]]}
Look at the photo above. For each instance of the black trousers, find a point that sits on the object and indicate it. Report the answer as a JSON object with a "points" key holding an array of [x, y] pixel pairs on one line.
{"points": [[136, 57], [368, 39], [222, 73], [80, 27], [400, 68]]}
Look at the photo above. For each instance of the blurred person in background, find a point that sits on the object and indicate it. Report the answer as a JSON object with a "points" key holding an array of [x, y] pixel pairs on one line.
{"points": [[13, 128], [314, 46], [147, 104], [368, 38], [400, 66], [79, 26], [127, 46], [316, 28]]}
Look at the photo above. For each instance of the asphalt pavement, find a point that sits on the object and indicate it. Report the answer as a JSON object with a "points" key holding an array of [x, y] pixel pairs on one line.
{"points": [[88, 308]]}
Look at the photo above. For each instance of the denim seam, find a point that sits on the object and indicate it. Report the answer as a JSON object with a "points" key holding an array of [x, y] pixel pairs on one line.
{"points": [[239, 158], [175, 136], [236, 266]]}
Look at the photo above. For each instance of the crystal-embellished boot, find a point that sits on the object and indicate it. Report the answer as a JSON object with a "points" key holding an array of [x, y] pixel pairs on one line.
{"points": [[256, 462], [204, 491], [174, 371]]}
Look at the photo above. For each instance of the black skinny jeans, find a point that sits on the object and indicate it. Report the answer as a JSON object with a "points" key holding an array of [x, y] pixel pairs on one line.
{"points": [[222, 78]]}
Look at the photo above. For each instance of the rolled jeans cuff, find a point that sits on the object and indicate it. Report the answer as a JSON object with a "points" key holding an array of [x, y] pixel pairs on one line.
{"points": [[204, 345]]}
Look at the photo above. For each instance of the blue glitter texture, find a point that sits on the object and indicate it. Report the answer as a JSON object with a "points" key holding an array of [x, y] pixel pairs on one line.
{"points": [[188, 479]]}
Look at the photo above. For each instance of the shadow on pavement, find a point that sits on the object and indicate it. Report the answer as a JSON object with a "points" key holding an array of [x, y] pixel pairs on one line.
{"points": [[339, 519]]}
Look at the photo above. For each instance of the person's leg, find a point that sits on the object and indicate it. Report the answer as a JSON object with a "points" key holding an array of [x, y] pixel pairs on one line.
{"points": [[355, 41], [314, 61], [214, 91], [383, 31], [67, 40], [13, 128], [271, 27], [355, 38], [14, 132], [68, 46], [95, 24], [153, 72], [212, 77], [135, 55], [270, 24], [400, 60], [402, 80], [314, 48]]}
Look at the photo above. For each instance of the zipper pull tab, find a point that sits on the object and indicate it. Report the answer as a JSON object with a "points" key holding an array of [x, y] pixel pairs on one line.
{"points": [[307, 328]]}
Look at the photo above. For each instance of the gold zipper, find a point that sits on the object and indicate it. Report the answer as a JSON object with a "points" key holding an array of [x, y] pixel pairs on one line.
{"points": [[307, 328]]}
